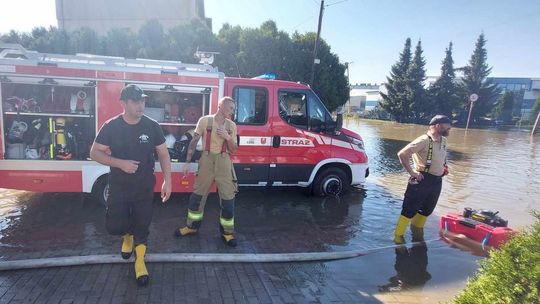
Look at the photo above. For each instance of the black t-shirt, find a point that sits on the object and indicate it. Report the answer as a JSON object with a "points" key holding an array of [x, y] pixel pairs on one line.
{"points": [[132, 142]]}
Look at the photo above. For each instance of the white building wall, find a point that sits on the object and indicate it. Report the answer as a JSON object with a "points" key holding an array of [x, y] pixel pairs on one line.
{"points": [[368, 94], [103, 15]]}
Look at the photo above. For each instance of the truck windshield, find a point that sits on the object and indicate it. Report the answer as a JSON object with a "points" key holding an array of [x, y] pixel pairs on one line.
{"points": [[303, 109], [317, 110]]}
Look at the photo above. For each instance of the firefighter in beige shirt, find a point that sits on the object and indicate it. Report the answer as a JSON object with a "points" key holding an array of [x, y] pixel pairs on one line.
{"points": [[219, 140], [428, 153]]}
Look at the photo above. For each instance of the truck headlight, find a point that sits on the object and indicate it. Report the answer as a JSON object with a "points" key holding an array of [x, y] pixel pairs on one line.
{"points": [[357, 142]]}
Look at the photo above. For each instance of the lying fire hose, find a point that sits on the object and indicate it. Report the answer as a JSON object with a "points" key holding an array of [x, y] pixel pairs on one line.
{"points": [[193, 257]]}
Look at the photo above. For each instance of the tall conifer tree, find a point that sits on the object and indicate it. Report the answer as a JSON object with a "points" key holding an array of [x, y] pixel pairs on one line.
{"points": [[474, 82], [396, 101], [444, 93], [417, 92]]}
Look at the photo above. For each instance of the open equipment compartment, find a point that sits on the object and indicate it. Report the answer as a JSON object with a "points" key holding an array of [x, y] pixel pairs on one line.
{"points": [[46, 118], [177, 109]]}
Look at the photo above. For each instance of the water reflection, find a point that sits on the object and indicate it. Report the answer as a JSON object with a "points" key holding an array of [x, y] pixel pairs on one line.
{"points": [[57, 223], [411, 267], [304, 222]]}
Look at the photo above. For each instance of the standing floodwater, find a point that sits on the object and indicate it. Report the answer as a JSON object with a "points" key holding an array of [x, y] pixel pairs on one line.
{"points": [[489, 169]]}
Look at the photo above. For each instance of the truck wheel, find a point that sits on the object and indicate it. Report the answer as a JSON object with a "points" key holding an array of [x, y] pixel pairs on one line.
{"points": [[330, 181], [100, 191]]}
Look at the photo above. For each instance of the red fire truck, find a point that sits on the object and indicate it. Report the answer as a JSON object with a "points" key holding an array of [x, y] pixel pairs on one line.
{"points": [[53, 105]]}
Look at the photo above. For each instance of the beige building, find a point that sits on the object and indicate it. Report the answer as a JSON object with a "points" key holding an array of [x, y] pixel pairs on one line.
{"points": [[103, 15]]}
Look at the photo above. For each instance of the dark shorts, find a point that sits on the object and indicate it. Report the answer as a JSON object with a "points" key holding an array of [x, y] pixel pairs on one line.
{"points": [[129, 210], [422, 197]]}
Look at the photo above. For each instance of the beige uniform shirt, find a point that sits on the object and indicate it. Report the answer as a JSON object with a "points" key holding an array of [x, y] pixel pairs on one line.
{"points": [[420, 147], [216, 141]]}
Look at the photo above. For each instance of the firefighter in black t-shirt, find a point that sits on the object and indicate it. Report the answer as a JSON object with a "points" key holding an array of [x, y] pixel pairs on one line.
{"points": [[128, 144]]}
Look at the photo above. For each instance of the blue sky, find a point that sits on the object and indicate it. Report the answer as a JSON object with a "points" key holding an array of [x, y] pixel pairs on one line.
{"points": [[371, 33]]}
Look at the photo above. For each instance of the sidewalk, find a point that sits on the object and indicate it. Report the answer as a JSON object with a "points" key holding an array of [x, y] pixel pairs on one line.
{"points": [[64, 225]]}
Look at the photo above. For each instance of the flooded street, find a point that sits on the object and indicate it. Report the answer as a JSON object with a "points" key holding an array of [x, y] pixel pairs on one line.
{"points": [[490, 169]]}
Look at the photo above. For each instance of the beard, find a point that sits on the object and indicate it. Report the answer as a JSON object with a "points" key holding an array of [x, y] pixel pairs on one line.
{"points": [[445, 133]]}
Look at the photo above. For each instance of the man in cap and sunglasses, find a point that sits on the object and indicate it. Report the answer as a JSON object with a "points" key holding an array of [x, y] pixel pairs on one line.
{"points": [[128, 143], [428, 153]]}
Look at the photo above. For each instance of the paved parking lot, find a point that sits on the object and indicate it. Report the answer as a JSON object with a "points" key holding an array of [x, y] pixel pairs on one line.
{"points": [[57, 225]]}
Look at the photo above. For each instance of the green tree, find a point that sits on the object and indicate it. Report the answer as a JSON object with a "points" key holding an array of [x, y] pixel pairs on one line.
{"points": [[254, 51], [246, 52], [263, 50], [121, 42], [330, 82], [301, 57], [229, 41], [185, 40], [474, 82], [396, 101], [85, 40], [52, 40], [444, 93], [152, 40], [416, 77], [503, 107], [16, 37]]}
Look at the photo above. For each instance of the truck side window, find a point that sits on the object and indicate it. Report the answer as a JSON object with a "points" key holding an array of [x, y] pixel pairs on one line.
{"points": [[251, 105], [293, 108]]}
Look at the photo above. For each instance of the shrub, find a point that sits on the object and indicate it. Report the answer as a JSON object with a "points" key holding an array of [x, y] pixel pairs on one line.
{"points": [[511, 274]]}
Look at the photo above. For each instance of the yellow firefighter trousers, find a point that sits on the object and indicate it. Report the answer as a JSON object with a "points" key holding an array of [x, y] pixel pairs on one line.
{"points": [[216, 168]]}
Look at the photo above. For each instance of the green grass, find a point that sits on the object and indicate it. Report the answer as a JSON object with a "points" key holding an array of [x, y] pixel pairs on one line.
{"points": [[511, 274]]}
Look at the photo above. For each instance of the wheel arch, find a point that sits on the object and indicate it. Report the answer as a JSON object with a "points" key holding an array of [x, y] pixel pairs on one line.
{"points": [[91, 174], [340, 163]]}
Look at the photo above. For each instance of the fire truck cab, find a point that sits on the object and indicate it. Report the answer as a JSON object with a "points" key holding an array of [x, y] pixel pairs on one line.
{"points": [[287, 137], [53, 105]]}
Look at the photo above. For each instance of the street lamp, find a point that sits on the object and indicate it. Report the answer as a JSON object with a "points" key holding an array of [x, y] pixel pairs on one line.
{"points": [[472, 98]]}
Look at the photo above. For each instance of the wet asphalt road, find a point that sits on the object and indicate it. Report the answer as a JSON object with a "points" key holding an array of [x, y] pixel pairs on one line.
{"points": [[35, 225]]}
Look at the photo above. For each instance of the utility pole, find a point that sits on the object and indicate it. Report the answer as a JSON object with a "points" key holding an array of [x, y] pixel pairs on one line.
{"points": [[349, 86], [315, 59]]}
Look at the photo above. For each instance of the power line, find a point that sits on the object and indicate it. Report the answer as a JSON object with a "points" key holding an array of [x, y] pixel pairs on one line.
{"points": [[304, 21], [336, 3]]}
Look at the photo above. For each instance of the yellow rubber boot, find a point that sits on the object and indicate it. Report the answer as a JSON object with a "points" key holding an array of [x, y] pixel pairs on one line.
{"points": [[127, 246], [229, 239], [417, 227], [401, 226], [141, 274], [184, 231], [418, 220]]}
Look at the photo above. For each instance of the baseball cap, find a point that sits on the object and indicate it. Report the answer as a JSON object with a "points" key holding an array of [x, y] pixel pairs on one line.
{"points": [[440, 119], [132, 92]]}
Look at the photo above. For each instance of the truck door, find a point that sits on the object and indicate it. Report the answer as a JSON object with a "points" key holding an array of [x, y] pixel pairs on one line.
{"points": [[252, 159], [296, 148]]}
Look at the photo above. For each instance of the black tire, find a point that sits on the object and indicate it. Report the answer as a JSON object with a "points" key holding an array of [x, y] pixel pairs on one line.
{"points": [[330, 181], [100, 191]]}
